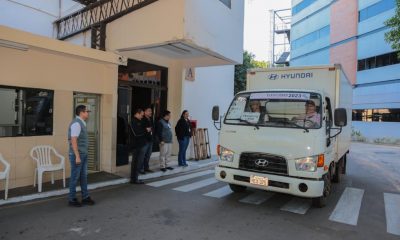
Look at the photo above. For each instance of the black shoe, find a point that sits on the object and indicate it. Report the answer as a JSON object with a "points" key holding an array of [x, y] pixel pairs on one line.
{"points": [[185, 165], [142, 172], [136, 182], [170, 168], [88, 201], [74, 203], [148, 170], [163, 169]]}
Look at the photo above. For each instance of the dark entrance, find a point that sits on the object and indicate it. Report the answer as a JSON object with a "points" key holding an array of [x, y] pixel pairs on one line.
{"points": [[140, 85]]}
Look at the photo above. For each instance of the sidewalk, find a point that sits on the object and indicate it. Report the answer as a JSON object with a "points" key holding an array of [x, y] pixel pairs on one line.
{"points": [[101, 179]]}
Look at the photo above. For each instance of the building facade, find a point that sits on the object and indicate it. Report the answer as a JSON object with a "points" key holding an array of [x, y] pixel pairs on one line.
{"points": [[351, 33], [173, 54]]}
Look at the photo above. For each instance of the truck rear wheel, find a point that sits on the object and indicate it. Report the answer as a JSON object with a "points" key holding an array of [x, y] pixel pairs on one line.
{"points": [[237, 188], [320, 202]]}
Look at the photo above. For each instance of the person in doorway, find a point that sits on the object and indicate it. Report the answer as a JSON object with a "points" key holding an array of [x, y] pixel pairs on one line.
{"points": [[164, 134], [139, 140], [311, 118], [183, 133], [78, 157], [148, 147]]}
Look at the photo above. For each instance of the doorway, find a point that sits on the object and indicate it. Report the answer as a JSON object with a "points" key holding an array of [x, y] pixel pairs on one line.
{"points": [[140, 85], [92, 102]]}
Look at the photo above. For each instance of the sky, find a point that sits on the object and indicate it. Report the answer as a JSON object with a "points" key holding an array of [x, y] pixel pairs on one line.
{"points": [[257, 26]]}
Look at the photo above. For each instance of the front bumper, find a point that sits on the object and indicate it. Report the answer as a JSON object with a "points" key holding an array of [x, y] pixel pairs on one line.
{"points": [[277, 183]]}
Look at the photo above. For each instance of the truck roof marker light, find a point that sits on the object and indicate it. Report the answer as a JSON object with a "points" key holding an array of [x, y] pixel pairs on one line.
{"points": [[219, 150], [321, 160], [331, 69]]}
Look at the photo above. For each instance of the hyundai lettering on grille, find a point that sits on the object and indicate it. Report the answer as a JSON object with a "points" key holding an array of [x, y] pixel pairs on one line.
{"points": [[262, 162]]}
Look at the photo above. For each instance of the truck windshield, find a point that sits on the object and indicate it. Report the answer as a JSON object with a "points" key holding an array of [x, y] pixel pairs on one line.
{"points": [[276, 109]]}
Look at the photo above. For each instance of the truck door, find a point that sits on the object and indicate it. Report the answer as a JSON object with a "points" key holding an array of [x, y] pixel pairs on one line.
{"points": [[330, 142]]}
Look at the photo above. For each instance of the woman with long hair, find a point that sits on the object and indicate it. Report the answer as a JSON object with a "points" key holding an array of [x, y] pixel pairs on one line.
{"points": [[183, 133]]}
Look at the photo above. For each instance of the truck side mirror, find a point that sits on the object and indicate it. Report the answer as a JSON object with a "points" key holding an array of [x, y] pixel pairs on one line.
{"points": [[340, 117], [215, 113]]}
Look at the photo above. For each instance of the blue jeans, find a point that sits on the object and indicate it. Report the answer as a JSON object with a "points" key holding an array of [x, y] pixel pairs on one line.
{"points": [[183, 145], [147, 150], [78, 172]]}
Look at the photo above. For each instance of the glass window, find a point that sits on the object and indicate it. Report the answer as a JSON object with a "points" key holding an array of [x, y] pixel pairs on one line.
{"points": [[377, 115], [376, 9], [361, 65], [276, 109], [26, 112], [302, 5], [311, 37], [378, 61]]}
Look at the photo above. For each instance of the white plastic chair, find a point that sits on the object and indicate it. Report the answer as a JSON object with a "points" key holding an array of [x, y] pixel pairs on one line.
{"points": [[42, 155], [5, 175]]}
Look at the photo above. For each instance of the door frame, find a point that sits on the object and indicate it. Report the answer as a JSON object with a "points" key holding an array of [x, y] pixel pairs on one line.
{"points": [[97, 98]]}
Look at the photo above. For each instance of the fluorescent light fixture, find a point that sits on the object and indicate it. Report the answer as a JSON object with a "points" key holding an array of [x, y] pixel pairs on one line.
{"points": [[176, 49], [13, 45]]}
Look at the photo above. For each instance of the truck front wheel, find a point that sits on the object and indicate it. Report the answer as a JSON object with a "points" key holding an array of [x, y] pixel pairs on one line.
{"points": [[237, 188], [320, 202]]}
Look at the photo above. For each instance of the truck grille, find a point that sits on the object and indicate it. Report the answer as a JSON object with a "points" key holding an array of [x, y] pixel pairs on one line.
{"points": [[263, 162]]}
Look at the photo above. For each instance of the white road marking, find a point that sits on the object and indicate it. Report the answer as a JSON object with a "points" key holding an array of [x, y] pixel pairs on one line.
{"points": [[392, 209], [196, 185], [348, 207], [179, 179], [257, 197], [220, 192], [297, 205]]}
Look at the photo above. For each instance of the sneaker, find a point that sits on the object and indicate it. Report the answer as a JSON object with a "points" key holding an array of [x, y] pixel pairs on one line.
{"points": [[149, 171], [142, 172], [163, 169], [185, 165], [170, 168], [88, 201], [74, 203]]}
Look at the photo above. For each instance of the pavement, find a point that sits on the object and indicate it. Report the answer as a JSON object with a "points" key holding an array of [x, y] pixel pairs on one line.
{"points": [[192, 205]]}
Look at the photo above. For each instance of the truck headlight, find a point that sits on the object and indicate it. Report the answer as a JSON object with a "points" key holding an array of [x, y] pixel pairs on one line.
{"points": [[308, 164], [226, 154]]}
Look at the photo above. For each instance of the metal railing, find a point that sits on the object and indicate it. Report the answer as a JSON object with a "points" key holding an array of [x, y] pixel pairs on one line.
{"points": [[96, 14]]}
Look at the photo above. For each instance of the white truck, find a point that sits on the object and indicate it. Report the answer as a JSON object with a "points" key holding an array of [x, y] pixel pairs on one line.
{"points": [[289, 132]]}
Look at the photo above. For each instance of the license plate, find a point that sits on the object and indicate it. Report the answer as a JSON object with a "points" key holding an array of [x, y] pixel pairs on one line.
{"points": [[257, 180]]}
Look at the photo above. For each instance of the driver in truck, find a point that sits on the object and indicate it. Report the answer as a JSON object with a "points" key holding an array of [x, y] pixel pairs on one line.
{"points": [[311, 118]]}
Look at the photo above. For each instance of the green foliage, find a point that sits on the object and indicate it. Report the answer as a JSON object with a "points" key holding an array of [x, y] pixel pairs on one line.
{"points": [[393, 36], [241, 70]]}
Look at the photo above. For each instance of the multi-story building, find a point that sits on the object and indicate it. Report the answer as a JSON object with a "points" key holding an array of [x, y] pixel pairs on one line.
{"points": [[351, 32], [174, 54]]}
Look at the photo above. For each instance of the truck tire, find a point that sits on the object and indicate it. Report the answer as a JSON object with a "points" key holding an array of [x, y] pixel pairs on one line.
{"points": [[344, 165], [237, 188], [320, 202], [337, 177]]}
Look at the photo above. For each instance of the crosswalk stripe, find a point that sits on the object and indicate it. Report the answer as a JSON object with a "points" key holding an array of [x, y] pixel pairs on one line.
{"points": [[297, 205], [220, 192], [196, 185], [348, 207], [257, 198], [392, 209], [180, 178]]}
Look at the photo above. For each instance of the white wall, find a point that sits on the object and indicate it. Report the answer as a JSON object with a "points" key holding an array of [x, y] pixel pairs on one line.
{"points": [[35, 16], [212, 86], [212, 25]]}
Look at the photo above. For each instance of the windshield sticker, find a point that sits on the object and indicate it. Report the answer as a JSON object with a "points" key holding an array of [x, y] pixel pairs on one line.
{"points": [[250, 117], [237, 108], [280, 95]]}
